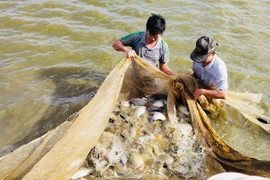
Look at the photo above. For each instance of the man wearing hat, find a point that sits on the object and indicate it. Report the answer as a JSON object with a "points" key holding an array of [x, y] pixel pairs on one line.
{"points": [[209, 69]]}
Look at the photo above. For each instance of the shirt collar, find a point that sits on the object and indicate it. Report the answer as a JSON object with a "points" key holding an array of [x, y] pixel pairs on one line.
{"points": [[211, 63], [144, 38]]}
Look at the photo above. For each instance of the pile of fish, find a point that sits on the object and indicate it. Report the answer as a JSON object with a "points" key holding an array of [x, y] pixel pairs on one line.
{"points": [[140, 140]]}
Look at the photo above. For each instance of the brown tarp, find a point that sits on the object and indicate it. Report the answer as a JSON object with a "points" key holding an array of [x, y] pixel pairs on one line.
{"points": [[62, 151]]}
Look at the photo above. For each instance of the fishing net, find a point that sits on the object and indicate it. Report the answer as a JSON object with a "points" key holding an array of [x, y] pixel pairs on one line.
{"points": [[62, 151]]}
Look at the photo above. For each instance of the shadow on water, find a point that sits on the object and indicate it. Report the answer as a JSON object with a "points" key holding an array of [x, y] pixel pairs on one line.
{"points": [[73, 90]]}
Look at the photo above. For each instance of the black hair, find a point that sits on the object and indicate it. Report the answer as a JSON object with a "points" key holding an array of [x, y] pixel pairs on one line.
{"points": [[156, 24]]}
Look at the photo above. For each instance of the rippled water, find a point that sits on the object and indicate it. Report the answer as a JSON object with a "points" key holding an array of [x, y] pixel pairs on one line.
{"points": [[55, 54]]}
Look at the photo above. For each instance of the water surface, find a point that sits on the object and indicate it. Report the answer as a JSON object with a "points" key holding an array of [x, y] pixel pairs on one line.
{"points": [[55, 54]]}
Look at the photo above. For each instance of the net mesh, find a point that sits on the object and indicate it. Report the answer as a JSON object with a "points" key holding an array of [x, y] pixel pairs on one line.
{"points": [[62, 151]]}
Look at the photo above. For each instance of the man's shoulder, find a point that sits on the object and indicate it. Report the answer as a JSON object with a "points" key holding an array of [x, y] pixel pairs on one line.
{"points": [[163, 42], [164, 46], [220, 65], [133, 34], [219, 61]]}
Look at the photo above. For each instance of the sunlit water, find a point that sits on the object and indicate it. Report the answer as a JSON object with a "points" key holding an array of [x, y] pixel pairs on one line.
{"points": [[55, 54]]}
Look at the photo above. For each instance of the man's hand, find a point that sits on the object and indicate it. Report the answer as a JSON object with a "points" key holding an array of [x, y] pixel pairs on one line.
{"points": [[197, 93], [118, 46], [217, 94], [130, 53]]}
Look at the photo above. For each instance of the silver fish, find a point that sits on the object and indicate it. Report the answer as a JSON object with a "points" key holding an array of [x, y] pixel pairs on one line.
{"points": [[153, 116]]}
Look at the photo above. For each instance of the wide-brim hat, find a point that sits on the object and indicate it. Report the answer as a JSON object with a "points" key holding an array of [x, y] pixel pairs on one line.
{"points": [[204, 47]]}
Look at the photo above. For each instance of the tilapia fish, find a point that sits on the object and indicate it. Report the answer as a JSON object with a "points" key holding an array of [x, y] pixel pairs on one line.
{"points": [[139, 140]]}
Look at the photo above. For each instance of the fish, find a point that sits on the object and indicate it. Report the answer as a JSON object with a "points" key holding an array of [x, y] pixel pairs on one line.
{"points": [[82, 172], [138, 101], [153, 116], [139, 139], [165, 159], [137, 160], [157, 102], [155, 97], [140, 110], [183, 113]]}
